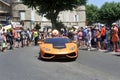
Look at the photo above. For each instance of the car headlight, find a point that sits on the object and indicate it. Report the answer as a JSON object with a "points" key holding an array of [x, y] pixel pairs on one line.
{"points": [[46, 49], [72, 48]]}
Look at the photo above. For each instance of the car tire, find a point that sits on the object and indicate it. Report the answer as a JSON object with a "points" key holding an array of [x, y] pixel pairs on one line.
{"points": [[39, 56]]}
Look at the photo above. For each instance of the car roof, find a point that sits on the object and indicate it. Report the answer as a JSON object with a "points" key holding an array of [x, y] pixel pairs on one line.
{"points": [[55, 38]]}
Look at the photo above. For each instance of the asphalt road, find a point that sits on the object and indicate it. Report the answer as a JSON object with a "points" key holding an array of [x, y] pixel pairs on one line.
{"points": [[23, 64]]}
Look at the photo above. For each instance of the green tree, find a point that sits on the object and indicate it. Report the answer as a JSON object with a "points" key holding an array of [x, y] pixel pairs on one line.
{"points": [[51, 8], [92, 14], [110, 12]]}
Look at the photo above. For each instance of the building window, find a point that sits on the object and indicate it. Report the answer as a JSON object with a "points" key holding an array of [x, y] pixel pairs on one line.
{"points": [[22, 15], [67, 18], [76, 18]]}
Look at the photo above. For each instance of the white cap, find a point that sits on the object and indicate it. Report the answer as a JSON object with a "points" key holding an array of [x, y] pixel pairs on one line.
{"points": [[96, 28], [85, 27], [102, 24], [55, 32], [114, 24]]}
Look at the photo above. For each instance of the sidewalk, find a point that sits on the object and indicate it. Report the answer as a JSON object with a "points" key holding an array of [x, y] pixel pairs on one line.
{"points": [[103, 51]]}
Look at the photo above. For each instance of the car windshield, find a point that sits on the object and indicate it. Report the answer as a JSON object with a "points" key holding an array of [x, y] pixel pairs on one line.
{"points": [[57, 40]]}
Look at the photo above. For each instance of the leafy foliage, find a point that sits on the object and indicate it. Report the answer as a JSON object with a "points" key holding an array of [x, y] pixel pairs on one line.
{"points": [[110, 12], [51, 8], [92, 14], [107, 14]]}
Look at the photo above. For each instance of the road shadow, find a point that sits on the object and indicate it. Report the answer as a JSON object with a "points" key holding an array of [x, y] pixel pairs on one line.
{"points": [[117, 55], [113, 53], [57, 60], [86, 49], [107, 51]]}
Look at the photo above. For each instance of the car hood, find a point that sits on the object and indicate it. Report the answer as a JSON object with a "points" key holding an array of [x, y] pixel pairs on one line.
{"points": [[58, 46]]}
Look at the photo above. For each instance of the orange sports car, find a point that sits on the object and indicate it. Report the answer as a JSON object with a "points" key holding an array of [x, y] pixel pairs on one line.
{"points": [[58, 47]]}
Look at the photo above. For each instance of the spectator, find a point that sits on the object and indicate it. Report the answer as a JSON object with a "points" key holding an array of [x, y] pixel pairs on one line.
{"points": [[1, 40], [29, 37], [108, 40], [80, 38], [115, 38], [15, 37], [93, 41], [55, 33], [85, 36], [4, 43], [23, 38], [89, 39], [36, 37], [19, 39], [103, 36], [9, 37], [98, 37]]}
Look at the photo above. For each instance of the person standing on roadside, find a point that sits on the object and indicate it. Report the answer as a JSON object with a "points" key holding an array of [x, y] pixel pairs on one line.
{"points": [[10, 38], [29, 34], [85, 36], [15, 37], [93, 41], [4, 43], [89, 38], [98, 37], [36, 37], [115, 37], [103, 36], [23, 38], [80, 38], [1, 40], [19, 39]]}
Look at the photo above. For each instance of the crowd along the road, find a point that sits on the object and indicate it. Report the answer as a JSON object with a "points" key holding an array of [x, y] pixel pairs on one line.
{"points": [[91, 37]]}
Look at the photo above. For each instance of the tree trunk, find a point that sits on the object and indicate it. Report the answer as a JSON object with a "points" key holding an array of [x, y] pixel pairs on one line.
{"points": [[53, 21]]}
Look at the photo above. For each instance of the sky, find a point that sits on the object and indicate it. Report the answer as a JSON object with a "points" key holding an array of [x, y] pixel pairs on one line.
{"points": [[99, 3]]}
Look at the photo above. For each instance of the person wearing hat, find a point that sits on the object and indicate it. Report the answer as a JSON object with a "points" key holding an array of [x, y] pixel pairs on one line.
{"points": [[55, 33], [115, 37]]}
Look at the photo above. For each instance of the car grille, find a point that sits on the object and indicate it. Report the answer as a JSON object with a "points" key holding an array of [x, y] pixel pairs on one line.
{"points": [[72, 54], [48, 55], [59, 47]]}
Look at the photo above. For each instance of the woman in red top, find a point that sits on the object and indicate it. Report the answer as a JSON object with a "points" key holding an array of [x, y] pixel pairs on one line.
{"points": [[115, 38]]}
